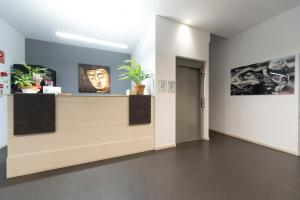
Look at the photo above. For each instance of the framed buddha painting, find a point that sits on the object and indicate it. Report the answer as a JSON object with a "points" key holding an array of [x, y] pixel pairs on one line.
{"points": [[94, 79]]}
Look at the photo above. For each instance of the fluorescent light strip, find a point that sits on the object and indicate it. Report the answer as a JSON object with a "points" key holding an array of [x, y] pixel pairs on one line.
{"points": [[91, 40]]}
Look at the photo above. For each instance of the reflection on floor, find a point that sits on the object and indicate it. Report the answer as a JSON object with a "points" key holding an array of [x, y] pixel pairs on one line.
{"points": [[222, 169]]}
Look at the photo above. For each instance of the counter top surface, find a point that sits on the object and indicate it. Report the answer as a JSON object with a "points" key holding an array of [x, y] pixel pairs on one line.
{"points": [[92, 95], [87, 95]]}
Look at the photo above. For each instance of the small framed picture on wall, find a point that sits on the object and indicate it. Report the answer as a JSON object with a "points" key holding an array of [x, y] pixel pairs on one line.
{"points": [[2, 57], [172, 86], [163, 86]]}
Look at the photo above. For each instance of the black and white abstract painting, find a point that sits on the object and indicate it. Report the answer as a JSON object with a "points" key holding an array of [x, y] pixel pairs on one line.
{"points": [[273, 77]]}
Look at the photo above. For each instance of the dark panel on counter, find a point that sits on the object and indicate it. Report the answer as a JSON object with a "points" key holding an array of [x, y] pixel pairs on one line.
{"points": [[34, 113], [139, 109]]}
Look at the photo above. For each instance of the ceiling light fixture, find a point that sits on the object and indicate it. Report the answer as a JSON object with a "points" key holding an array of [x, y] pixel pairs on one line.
{"points": [[91, 40]]}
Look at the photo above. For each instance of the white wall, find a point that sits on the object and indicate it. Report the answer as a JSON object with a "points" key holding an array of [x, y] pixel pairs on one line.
{"points": [[13, 43], [175, 39], [144, 53], [269, 120]]}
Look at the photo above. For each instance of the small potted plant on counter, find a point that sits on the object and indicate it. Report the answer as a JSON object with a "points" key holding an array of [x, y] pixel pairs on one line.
{"points": [[135, 73], [23, 81], [38, 74], [30, 81]]}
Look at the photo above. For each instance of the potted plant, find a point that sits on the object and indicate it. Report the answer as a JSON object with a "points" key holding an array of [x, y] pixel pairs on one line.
{"points": [[135, 73], [29, 82], [37, 74], [23, 81]]}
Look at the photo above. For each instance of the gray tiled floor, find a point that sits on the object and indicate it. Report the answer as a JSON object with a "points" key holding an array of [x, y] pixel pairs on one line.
{"points": [[222, 169]]}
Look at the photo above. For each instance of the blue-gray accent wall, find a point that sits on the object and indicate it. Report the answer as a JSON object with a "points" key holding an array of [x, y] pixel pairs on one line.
{"points": [[65, 59]]}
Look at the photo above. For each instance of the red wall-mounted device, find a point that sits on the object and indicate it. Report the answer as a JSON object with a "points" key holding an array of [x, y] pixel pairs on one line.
{"points": [[3, 74]]}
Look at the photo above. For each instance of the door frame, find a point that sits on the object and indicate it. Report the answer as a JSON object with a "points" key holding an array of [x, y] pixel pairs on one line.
{"points": [[201, 102]]}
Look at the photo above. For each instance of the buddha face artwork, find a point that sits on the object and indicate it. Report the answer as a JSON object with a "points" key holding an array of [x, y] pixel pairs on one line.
{"points": [[94, 79]]}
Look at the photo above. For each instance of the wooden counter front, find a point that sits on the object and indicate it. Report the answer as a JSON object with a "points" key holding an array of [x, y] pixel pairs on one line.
{"points": [[88, 128]]}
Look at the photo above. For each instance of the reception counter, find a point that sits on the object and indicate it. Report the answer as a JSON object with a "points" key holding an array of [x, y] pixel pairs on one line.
{"points": [[87, 129]]}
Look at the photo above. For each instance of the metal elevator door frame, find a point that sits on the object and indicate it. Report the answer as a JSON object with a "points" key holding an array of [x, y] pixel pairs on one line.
{"points": [[199, 65]]}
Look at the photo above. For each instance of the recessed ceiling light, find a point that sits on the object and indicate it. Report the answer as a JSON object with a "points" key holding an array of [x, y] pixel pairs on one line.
{"points": [[188, 21], [91, 40]]}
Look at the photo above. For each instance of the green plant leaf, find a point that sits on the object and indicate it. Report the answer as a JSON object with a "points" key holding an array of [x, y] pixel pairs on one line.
{"points": [[133, 72]]}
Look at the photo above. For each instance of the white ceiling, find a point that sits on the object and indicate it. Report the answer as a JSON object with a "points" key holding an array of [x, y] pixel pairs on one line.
{"points": [[224, 17], [124, 21]]}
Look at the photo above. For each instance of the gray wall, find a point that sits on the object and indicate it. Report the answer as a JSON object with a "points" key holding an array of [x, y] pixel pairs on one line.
{"points": [[65, 59]]}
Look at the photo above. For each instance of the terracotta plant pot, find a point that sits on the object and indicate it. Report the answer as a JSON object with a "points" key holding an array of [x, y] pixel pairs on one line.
{"points": [[139, 89]]}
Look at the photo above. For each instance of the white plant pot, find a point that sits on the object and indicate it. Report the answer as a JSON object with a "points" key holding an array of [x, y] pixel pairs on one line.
{"points": [[29, 91]]}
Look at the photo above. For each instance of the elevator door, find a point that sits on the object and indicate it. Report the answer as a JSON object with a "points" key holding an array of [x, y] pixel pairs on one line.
{"points": [[187, 104]]}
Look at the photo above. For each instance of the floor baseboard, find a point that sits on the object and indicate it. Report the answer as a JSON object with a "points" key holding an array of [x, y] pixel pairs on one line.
{"points": [[165, 147], [205, 138], [255, 142]]}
